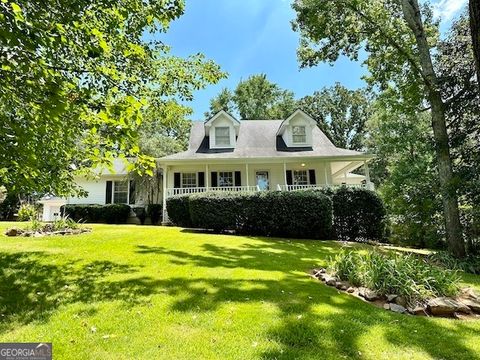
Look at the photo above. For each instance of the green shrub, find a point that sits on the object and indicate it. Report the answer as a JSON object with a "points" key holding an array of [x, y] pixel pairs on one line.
{"points": [[299, 214], [94, 213], [116, 213], [27, 212], [470, 264], [296, 214], [140, 213], [405, 275], [154, 211], [178, 209], [359, 215], [217, 211]]}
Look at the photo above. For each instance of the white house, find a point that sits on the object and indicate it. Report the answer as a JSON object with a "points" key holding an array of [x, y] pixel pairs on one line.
{"points": [[225, 154], [105, 186]]}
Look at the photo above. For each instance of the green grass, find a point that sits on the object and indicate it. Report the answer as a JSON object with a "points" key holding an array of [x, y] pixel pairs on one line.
{"points": [[131, 292]]}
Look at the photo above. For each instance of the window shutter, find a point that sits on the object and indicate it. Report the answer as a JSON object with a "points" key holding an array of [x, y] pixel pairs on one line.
{"points": [[311, 177], [289, 177], [176, 180], [238, 178], [131, 193], [108, 193], [214, 179], [201, 179]]}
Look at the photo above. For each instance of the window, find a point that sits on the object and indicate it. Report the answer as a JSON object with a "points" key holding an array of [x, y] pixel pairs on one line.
{"points": [[300, 177], [189, 180], [120, 192], [222, 135], [225, 178], [299, 134]]}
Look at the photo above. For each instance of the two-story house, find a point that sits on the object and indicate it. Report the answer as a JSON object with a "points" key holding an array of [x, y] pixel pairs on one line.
{"points": [[225, 154]]}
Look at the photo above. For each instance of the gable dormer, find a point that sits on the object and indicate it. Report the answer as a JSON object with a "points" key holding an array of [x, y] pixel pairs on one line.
{"points": [[296, 130], [222, 130]]}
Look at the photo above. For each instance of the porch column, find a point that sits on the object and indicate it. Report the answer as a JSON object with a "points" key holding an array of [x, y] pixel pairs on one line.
{"points": [[367, 175], [246, 174], [164, 197], [285, 174], [345, 177], [207, 177], [326, 173]]}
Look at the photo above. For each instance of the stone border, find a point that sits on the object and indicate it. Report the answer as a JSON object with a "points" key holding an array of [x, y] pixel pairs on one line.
{"points": [[30, 233], [467, 304]]}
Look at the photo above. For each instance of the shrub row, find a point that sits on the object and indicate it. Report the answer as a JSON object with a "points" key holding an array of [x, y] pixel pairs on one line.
{"points": [[347, 214], [299, 214], [92, 213]]}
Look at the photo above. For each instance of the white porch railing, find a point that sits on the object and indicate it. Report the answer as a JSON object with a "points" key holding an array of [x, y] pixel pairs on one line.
{"points": [[307, 187], [194, 190]]}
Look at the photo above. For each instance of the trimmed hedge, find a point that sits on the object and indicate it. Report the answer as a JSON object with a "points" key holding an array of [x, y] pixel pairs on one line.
{"points": [[216, 211], [296, 214], [178, 209], [93, 213], [353, 214], [359, 215], [154, 211], [299, 214]]}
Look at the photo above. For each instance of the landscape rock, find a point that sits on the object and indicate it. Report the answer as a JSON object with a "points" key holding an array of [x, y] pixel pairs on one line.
{"points": [[400, 300], [473, 305], [342, 285], [469, 293], [351, 289], [13, 232], [444, 306], [397, 308], [417, 310], [391, 297], [370, 295], [330, 280], [386, 306]]}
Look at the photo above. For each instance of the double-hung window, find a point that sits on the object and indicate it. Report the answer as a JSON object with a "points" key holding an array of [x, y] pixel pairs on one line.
{"points": [[189, 180], [299, 134], [225, 178], [222, 136], [300, 177], [120, 192]]}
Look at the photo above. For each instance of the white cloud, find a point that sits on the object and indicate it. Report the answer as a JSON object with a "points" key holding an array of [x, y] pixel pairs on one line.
{"points": [[447, 9]]}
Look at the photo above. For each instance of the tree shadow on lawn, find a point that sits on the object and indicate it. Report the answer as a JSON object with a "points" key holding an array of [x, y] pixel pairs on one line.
{"points": [[316, 321], [268, 255], [32, 287]]}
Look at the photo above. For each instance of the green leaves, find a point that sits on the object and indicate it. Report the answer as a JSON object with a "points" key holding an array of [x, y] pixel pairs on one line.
{"points": [[77, 80]]}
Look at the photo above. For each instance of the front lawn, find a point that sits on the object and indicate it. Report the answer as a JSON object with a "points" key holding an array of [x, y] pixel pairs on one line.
{"points": [[132, 292]]}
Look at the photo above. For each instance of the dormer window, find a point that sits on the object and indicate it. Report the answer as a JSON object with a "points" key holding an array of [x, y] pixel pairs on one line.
{"points": [[299, 134], [222, 136]]}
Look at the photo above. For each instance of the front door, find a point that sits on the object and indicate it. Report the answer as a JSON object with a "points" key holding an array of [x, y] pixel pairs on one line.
{"points": [[262, 180]]}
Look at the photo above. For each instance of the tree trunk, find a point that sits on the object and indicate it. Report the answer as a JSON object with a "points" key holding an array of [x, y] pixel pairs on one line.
{"points": [[474, 9], [453, 227]]}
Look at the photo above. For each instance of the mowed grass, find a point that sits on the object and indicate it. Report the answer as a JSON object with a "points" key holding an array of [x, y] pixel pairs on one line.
{"points": [[133, 292]]}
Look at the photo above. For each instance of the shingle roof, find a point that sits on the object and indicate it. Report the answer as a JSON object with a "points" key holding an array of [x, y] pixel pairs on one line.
{"points": [[258, 139]]}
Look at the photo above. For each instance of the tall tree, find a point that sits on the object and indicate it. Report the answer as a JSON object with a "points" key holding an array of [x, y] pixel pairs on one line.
{"points": [[398, 39], [255, 98], [474, 9], [340, 113], [76, 78], [223, 101]]}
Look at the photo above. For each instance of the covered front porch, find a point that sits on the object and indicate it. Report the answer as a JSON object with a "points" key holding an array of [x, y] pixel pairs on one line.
{"points": [[250, 176]]}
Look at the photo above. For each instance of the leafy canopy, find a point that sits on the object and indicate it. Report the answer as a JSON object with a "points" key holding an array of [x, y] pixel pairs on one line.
{"points": [[76, 80]]}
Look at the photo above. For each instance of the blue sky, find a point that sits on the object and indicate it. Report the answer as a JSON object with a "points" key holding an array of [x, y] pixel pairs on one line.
{"points": [[248, 37]]}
